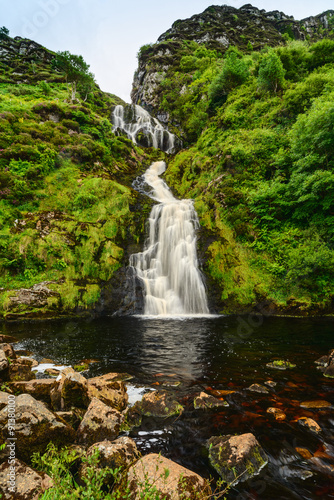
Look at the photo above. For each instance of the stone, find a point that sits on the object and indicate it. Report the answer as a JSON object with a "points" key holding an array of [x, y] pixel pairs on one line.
{"points": [[3, 399], [160, 477], [323, 361], [236, 458], [109, 389], [280, 364], [159, 404], [221, 392], [329, 371], [20, 370], [100, 422], [310, 424], [7, 339], [315, 404], [39, 388], [8, 350], [271, 383], [72, 417], [36, 296], [113, 454], [4, 363], [277, 412], [258, 388], [29, 484], [70, 390], [304, 453], [205, 401], [35, 427]]}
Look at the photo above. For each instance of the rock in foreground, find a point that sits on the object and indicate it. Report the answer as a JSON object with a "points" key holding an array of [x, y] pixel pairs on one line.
{"points": [[236, 458], [100, 422], [28, 484]]}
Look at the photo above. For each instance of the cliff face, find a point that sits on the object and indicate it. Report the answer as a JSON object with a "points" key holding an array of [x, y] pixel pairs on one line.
{"points": [[217, 28]]}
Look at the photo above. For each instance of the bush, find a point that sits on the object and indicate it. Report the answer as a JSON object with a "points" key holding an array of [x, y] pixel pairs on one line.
{"points": [[271, 72]]}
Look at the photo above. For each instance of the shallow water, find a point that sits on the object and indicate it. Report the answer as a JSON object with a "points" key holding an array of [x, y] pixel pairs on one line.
{"points": [[210, 354]]}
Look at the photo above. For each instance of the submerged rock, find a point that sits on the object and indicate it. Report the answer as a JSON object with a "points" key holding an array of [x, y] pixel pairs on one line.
{"points": [[315, 404], [280, 364], [205, 401], [35, 427], [236, 458], [28, 484], [277, 412], [258, 388], [110, 389], [155, 476], [310, 424], [100, 422], [158, 404]]}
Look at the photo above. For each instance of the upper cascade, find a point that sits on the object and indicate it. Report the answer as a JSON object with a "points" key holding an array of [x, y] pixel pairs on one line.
{"points": [[142, 128]]}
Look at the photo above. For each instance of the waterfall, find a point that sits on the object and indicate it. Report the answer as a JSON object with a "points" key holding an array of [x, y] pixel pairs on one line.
{"points": [[168, 266], [142, 128]]}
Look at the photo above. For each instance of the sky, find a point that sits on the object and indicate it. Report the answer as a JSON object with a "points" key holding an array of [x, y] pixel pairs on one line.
{"points": [[109, 33]]}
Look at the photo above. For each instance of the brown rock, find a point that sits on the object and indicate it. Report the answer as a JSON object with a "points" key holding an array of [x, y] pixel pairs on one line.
{"points": [[4, 363], [3, 399], [277, 412], [304, 453], [109, 389], [221, 392], [35, 427], [39, 388], [28, 484], [8, 350], [271, 383], [236, 458], [329, 371], [7, 339], [100, 422], [159, 404], [310, 424], [70, 390], [258, 388], [316, 404], [204, 401], [20, 370], [164, 479], [323, 361]]}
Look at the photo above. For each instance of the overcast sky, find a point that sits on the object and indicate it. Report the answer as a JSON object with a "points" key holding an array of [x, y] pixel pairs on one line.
{"points": [[108, 33]]}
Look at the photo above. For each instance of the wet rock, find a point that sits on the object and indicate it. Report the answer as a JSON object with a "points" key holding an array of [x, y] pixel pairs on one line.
{"points": [[258, 388], [163, 478], [315, 404], [38, 388], [8, 350], [323, 361], [113, 454], [221, 392], [4, 363], [310, 424], [159, 404], [7, 339], [20, 370], [205, 401], [304, 453], [33, 361], [100, 422], [277, 413], [329, 371], [279, 364], [70, 390], [35, 427], [27, 485], [271, 383], [109, 389], [236, 458]]}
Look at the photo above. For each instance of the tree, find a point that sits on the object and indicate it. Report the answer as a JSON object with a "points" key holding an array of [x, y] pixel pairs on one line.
{"points": [[75, 69], [271, 72], [4, 33]]}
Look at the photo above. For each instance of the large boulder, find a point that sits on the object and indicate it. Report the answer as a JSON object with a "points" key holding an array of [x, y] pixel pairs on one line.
{"points": [[109, 389], [22, 483], [20, 370], [100, 422], [158, 404], [39, 388], [236, 458], [35, 426], [112, 455], [162, 478], [8, 350], [70, 390]]}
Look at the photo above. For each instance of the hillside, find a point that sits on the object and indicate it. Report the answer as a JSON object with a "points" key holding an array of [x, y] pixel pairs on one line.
{"points": [[256, 116]]}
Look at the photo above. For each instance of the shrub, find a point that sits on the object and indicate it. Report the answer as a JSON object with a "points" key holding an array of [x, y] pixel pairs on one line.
{"points": [[271, 72]]}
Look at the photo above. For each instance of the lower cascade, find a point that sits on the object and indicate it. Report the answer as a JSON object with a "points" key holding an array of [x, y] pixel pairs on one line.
{"points": [[139, 126], [168, 266]]}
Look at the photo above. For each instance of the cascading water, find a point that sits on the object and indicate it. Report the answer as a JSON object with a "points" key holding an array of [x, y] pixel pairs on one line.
{"points": [[168, 266], [142, 128]]}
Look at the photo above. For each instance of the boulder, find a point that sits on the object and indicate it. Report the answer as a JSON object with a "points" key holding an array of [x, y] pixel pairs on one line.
{"points": [[3, 399], [277, 413], [310, 424], [26, 484], [258, 388], [8, 350], [4, 363], [112, 454], [39, 388], [70, 390], [158, 404], [236, 458], [205, 401], [109, 389], [35, 427], [72, 417], [20, 370], [329, 371], [100, 422], [154, 476], [316, 404]]}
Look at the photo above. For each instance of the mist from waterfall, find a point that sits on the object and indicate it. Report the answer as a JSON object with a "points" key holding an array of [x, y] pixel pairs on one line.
{"points": [[168, 266], [137, 123]]}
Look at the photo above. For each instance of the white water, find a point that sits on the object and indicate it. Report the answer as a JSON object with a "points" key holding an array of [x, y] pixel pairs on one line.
{"points": [[168, 265], [143, 122]]}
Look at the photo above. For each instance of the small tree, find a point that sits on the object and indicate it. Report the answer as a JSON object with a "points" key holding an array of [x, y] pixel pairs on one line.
{"points": [[4, 33], [271, 72], [75, 69]]}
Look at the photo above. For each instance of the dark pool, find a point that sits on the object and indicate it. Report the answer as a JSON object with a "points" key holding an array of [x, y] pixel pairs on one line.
{"points": [[209, 354]]}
